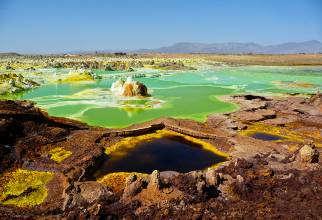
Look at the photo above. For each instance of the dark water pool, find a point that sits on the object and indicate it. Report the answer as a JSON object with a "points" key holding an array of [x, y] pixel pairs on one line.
{"points": [[266, 137], [163, 154]]}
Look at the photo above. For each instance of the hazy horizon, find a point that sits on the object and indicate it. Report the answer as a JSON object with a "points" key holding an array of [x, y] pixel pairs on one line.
{"points": [[42, 27], [107, 50]]}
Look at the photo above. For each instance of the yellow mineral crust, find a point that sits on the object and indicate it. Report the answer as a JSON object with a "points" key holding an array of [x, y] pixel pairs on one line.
{"points": [[121, 148], [24, 188], [287, 133], [77, 77], [116, 181], [58, 154]]}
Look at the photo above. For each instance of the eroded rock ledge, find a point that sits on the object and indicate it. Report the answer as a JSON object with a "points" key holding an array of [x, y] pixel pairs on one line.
{"points": [[272, 179]]}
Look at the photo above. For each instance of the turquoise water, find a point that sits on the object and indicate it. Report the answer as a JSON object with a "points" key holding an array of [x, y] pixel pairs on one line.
{"points": [[178, 94]]}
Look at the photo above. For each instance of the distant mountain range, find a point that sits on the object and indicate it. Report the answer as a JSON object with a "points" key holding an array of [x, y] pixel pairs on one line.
{"points": [[8, 54], [312, 46]]}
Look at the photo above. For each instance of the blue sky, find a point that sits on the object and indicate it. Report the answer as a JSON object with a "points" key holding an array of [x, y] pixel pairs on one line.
{"points": [[46, 26]]}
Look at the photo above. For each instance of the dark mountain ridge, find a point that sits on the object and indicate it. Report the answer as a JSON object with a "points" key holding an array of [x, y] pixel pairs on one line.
{"points": [[312, 46]]}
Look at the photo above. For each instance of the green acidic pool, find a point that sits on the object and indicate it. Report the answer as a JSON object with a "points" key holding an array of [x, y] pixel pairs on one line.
{"points": [[189, 94]]}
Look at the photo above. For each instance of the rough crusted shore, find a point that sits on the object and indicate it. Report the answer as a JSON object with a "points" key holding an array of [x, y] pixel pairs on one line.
{"points": [[261, 179]]}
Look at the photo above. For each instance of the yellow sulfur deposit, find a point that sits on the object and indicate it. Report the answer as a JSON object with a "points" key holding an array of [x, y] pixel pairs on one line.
{"points": [[131, 142], [24, 188], [58, 154], [77, 77], [116, 181], [282, 132]]}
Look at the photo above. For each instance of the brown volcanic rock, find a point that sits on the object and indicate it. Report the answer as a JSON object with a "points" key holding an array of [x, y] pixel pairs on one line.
{"points": [[25, 130], [142, 89], [254, 116], [92, 191], [133, 186], [9, 107]]}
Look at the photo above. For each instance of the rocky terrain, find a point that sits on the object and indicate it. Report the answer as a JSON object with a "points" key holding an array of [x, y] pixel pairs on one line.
{"points": [[13, 83], [273, 169], [89, 62]]}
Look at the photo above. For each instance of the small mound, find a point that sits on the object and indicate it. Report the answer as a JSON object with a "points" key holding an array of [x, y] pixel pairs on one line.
{"points": [[79, 76], [14, 83], [129, 88]]}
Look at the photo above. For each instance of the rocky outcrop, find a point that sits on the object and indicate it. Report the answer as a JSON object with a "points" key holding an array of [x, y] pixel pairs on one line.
{"points": [[309, 154], [25, 128], [172, 65], [155, 182], [78, 76], [123, 65], [129, 88], [13, 83], [93, 192], [77, 63], [133, 186]]}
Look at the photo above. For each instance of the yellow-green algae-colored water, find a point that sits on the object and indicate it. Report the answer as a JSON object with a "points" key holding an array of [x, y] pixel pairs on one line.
{"points": [[178, 94]]}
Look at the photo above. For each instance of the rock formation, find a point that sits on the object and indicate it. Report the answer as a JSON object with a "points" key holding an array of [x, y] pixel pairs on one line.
{"points": [[80, 75], [12, 83], [309, 154], [129, 88]]}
